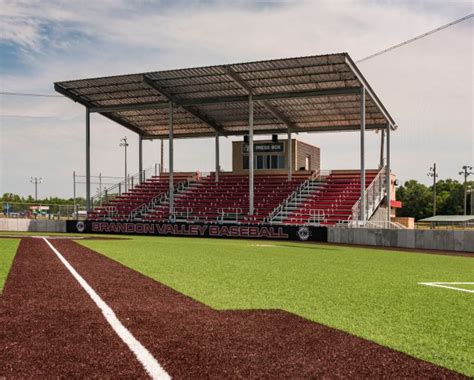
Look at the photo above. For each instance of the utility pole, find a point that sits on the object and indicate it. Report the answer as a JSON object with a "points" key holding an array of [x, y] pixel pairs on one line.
{"points": [[124, 143], [466, 172], [470, 190], [36, 181], [434, 174], [74, 192]]}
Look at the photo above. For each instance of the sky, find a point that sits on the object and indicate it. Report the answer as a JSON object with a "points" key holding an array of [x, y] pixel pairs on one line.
{"points": [[427, 86]]}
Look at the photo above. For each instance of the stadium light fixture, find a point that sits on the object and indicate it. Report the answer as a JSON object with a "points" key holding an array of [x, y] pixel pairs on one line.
{"points": [[36, 181], [466, 172], [432, 173]]}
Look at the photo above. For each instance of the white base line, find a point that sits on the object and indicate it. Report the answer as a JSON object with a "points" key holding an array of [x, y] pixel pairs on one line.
{"points": [[446, 285], [151, 365]]}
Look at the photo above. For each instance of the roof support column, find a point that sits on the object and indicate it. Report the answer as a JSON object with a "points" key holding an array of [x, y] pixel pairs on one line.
{"points": [[388, 184], [140, 158], [161, 156], [382, 133], [88, 160], [251, 170], [217, 158], [290, 155], [362, 215], [171, 153]]}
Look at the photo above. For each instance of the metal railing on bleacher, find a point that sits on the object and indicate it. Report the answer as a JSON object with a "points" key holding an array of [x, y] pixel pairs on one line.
{"points": [[229, 215], [296, 195], [160, 199], [106, 195], [374, 195]]}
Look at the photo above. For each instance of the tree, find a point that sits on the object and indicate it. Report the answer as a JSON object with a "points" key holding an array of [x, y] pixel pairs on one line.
{"points": [[451, 197], [416, 198]]}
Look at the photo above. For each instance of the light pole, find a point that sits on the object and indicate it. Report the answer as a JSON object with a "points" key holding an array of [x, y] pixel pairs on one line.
{"points": [[434, 174], [466, 172], [124, 143], [36, 181]]}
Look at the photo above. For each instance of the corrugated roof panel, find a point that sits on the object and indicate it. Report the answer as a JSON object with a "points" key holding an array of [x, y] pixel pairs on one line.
{"points": [[201, 87]]}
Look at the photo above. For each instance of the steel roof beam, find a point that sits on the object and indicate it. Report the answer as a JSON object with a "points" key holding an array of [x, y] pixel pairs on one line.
{"points": [[273, 110], [195, 112], [131, 107], [90, 106], [371, 92], [229, 99], [348, 128]]}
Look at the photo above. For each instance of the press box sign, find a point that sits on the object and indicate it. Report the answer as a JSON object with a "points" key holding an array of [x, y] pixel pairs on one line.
{"points": [[264, 147]]}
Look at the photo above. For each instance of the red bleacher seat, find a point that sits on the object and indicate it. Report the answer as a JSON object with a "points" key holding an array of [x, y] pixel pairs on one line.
{"points": [[123, 205], [208, 201], [335, 200]]}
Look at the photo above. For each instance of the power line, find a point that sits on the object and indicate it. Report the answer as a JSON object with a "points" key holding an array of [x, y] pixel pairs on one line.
{"points": [[416, 38], [30, 94], [359, 61]]}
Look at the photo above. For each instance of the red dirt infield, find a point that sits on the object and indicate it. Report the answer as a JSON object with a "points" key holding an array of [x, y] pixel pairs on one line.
{"points": [[53, 329]]}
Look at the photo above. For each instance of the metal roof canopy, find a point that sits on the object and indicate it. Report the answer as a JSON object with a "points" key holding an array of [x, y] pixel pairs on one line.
{"points": [[449, 219], [307, 94]]}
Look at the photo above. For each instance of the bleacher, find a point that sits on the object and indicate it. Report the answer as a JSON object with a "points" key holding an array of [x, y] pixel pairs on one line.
{"points": [[206, 200], [120, 207], [209, 201], [333, 201]]}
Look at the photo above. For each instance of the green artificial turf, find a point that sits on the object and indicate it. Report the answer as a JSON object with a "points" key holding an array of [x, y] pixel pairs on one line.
{"points": [[370, 293], [8, 249]]}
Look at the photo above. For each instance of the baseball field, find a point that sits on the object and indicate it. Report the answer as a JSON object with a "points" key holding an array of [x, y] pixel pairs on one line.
{"points": [[232, 309]]}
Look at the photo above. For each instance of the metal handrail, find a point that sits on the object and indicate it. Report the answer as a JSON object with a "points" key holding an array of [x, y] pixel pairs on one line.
{"points": [[187, 211], [158, 199], [288, 199], [123, 186], [374, 194], [237, 212], [296, 194], [316, 216], [382, 224]]}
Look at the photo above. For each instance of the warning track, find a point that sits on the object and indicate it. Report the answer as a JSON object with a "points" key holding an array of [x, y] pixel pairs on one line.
{"points": [[53, 328]]}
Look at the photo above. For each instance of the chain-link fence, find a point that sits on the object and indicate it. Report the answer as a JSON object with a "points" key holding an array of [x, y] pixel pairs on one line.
{"points": [[41, 211], [105, 188]]}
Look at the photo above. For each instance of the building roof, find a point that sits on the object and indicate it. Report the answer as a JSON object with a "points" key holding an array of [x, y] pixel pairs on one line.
{"points": [[449, 219], [306, 94]]}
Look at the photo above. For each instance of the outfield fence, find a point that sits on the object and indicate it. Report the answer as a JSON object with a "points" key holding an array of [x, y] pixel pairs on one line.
{"points": [[41, 211]]}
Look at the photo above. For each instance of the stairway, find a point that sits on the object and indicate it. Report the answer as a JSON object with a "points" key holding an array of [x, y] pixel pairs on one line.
{"points": [[331, 203], [295, 200]]}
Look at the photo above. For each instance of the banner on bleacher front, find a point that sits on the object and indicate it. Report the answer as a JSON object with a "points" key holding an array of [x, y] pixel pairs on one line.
{"points": [[300, 233]]}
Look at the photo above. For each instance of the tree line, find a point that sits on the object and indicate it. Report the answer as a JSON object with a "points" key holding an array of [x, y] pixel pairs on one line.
{"points": [[15, 198], [417, 199]]}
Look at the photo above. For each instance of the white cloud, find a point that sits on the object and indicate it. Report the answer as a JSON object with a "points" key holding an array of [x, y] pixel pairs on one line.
{"points": [[427, 86]]}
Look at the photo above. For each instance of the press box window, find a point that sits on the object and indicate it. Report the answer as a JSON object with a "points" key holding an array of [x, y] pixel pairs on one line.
{"points": [[265, 162]]}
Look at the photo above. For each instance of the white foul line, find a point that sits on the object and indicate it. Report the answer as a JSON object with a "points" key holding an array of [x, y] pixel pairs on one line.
{"points": [[151, 365], [446, 285]]}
